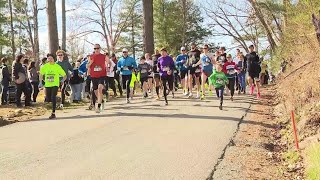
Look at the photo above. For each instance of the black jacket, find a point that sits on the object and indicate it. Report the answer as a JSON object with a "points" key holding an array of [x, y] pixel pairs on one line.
{"points": [[6, 75], [16, 69]]}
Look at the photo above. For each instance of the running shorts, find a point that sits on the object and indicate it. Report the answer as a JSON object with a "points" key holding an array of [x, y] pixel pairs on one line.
{"points": [[97, 81]]}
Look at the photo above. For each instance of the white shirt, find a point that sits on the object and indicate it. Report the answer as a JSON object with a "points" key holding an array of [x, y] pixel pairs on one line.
{"points": [[110, 73], [149, 61]]}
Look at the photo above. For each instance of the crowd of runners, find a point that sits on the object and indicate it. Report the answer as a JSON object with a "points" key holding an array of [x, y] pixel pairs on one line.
{"points": [[197, 73]]}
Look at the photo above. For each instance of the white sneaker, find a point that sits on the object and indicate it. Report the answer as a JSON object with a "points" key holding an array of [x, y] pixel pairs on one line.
{"points": [[198, 96], [186, 93], [61, 106], [98, 110], [190, 95]]}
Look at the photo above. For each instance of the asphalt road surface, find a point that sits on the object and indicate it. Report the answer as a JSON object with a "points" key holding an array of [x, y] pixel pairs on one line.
{"points": [[141, 140]]}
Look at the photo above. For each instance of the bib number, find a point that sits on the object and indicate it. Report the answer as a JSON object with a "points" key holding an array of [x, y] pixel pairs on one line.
{"points": [[125, 68], [231, 72], [97, 69], [144, 71], [50, 78], [198, 70], [220, 81], [166, 68]]}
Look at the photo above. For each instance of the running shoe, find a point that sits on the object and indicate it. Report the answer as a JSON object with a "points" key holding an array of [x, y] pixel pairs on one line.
{"points": [[102, 105], [220, 107], [53, 116], [173, 95], [158, 98], [166, 103], [149, 91], [210, 93], [231, 98], [190, 95], [128, 101], [251, 90], [258, 96], [61, 106], [98, 110], [186, 93], [90, 107], [202, 96]]}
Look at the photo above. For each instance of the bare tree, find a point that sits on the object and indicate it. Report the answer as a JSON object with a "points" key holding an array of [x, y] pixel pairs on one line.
{"points": [[52, 26], [64, 31], [12, 30], [316, 23], [148, 26]]}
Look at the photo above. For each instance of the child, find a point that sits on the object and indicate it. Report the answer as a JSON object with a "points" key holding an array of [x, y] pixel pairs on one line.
{"points": [[242, 66], [144, 69], [230, 69], [218, 79]]}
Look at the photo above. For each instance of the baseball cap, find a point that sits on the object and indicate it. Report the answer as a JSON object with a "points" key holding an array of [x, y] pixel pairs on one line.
{"points": [[182, 48], [124, 50]]}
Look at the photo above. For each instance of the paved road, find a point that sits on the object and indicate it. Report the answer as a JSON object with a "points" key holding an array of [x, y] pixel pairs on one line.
{"points": [[141, 140]]}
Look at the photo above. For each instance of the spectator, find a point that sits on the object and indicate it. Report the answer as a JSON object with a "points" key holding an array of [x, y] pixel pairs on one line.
{"points": [[4, 81], [33, 75], [76, 81]]}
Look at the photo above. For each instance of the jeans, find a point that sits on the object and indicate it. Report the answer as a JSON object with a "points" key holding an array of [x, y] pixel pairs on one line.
{"points": [[219, 92], [117, 78], [23, 87], [126, 80], [35, 89], [110, 83], [242, 81], [4, 90], [76, 91], [51, 93]]}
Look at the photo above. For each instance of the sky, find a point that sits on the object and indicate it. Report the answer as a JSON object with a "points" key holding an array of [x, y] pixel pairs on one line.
{"points": [[43, 34]]}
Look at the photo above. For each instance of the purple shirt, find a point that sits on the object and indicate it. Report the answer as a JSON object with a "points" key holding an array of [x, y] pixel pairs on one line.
{"points": [[165, 64]]}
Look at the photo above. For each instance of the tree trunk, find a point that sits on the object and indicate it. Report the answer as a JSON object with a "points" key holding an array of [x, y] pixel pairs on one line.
{"points": [[132, 38], [259, 14], [184, 20], [36, 33], [12, 31], [148, 26], [52, 26], [64, 31]]}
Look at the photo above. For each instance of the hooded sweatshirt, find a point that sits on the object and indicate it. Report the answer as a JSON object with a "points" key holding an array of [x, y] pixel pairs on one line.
{"points": [[218, 79], [165, 64], [66, 66]]}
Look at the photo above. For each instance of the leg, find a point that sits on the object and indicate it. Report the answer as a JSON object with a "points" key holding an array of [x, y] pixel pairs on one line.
{"points": [[171, 83], [4, 96], [73, 92], [198, 85], [221, 89], [190, 82], [204, 79], [128, 79], [35, 91], [157, 84], [231, 86], [164, 83], [112, 86], [18, 94], [78, 92]]}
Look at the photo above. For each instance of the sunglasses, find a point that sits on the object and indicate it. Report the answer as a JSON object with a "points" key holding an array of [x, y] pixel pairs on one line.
{"points": [[96, 48], [183, 50], [60, 54], [124, 52], [205, 48]]}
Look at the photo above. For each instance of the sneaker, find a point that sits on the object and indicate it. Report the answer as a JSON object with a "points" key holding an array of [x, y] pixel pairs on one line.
{"points": [[202, 97], [90, 107], [239, 92], [61, 106], [173, 95], [98, 110], [166, 103], [231, 98], [53, 116], [251, 90], [210, 93], [258, 96], [102, 105], [158, 98], [128, 101], [220, 107], [190, 95], [186, 94]]}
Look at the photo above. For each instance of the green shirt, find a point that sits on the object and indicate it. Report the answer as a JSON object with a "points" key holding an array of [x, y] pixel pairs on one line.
{"points": [[218, 79], [52, 73]]}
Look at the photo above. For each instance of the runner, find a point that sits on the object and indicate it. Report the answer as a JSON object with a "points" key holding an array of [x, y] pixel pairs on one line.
{"points": [[230, 69], [181, 62], [51, 72], [254, 69], [110, 79], [117, 74], [166, 67], [156, 75], [222, 58], [150, 76], [66, 66], [242, 66], [207, 61], [126, 65], [194, 69], [98, 71], [219, 80], [144, 69]]}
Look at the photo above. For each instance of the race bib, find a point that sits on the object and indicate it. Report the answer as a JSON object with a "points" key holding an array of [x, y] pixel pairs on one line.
{"points": [[232, 71], [125, 68], [144, 71], [220, 81], [50, 78], [97, 69], [206, 64], [198, 70], [166, 68]]}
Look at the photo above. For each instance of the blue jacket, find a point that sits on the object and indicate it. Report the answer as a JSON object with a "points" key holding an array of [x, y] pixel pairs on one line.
{"points": [[83, 67], [126, 65], [181, 61]]}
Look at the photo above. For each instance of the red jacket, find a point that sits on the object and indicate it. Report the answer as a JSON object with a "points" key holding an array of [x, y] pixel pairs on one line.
{"points": [[229, 68]]}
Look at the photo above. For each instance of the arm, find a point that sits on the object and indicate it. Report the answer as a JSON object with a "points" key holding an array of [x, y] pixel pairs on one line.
{"points": [[90, 61], [6, 73], [62, 73]]}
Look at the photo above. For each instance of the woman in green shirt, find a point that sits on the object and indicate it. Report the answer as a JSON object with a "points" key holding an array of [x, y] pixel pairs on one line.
{"points": [[52, 72]]}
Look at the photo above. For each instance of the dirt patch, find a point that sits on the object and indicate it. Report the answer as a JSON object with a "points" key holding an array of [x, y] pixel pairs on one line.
{"points": [[257, 151], [10, 113]]}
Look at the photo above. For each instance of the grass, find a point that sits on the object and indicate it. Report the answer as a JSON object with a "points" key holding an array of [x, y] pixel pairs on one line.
{"points": [[313, 159], [291, 157]]}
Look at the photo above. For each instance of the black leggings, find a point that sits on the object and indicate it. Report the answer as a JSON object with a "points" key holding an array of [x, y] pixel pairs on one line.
{"points": [[126, 80], [117, 78], [231, 84], [110, 83], [165, 80], [51, 93], [35, 87], [63, 91]]}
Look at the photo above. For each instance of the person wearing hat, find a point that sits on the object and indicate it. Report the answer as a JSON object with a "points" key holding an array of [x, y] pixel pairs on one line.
{"points": [[166, 68], [126, 65], [230, 69], [156, 75], [194, 69], [181, 62]]}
